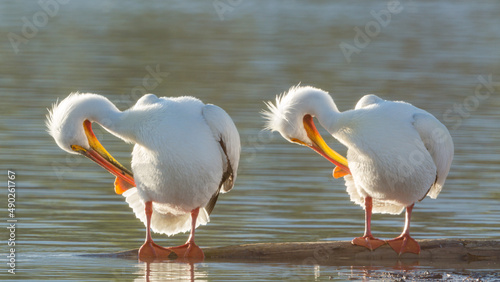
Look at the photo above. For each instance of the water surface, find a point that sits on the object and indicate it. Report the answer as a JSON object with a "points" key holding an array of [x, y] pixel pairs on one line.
{"points": [[433, 55]]}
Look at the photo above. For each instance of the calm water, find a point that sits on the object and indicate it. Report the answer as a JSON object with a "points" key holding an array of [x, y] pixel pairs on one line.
{"points": [[431, 54]]}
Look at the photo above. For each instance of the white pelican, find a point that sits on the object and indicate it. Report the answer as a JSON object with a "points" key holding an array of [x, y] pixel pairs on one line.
{"points": [[397, 153], [185, 154]]}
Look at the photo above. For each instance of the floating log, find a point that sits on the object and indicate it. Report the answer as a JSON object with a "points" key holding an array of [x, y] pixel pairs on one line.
{"points": [[434, 252]]}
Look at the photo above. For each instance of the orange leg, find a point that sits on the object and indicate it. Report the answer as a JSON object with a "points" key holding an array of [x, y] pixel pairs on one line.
{"points": [[368, 241], [190, 250], [149, 250], [404, 243]]}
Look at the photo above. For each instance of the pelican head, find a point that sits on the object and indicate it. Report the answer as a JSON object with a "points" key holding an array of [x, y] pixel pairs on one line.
{"points": [[70, 124], [67, 122], [292, 116]]}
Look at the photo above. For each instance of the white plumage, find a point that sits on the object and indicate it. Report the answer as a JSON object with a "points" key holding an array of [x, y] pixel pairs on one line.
{"points": [[394, 153], [185, 152], [397, 153], [166, 223]]}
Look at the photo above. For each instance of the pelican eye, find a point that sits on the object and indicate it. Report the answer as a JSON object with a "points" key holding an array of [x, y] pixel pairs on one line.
{"points": [[78, 149]]}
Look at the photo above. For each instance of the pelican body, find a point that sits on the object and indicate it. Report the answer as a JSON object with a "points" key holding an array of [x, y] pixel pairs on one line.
{"points": [[396, 153], [185, 154]]}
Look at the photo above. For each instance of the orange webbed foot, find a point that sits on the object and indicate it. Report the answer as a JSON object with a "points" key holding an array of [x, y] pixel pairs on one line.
{"points": [[368, 242], [189, 251], [150, 251], [404, 244]]}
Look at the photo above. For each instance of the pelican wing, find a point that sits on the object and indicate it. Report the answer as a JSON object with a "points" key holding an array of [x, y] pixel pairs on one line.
{"points": [[438, 142], [368, 100], [226, 134]]}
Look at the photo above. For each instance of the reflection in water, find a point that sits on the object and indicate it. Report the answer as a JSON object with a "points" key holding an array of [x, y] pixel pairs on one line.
{"points": [[174, 271]]}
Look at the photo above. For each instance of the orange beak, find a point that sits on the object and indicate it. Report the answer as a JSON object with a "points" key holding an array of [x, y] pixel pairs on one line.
{"points": [[97, 153], [319, 145]]}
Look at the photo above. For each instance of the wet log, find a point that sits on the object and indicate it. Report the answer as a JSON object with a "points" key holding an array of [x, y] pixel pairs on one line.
{"points": [[434, 252], [445, 252]]}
